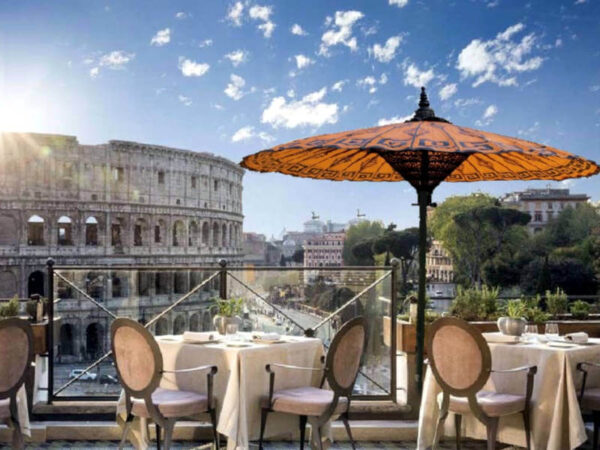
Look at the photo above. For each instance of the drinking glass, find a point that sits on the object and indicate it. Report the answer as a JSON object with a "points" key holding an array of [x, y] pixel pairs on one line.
{"points": [[552, 331], [530, 333]]}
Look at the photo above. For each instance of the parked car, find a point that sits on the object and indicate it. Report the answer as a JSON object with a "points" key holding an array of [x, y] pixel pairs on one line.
{"points": [[85, 377], [108, 379]]}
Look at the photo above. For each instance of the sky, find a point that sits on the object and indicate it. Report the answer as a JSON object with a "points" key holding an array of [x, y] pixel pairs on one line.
{"points": [[235, 77]]}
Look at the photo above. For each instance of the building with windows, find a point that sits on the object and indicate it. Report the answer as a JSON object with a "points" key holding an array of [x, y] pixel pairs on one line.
{"points": [[542, 204], [324, 250], [119, 203]]}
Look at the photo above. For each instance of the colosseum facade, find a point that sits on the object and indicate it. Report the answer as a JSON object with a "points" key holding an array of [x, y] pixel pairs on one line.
{"points": [[119, 203]]}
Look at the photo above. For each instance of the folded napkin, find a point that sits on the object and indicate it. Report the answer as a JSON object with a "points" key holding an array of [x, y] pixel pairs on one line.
{"points": [[193, 336], [499, 338], [578, 338], [266, 337]]}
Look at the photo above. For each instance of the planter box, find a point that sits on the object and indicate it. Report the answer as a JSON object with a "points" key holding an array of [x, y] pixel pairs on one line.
{"points": [[40, 344]]}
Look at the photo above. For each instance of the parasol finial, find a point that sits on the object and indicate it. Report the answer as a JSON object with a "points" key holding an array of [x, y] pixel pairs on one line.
{"points": [[425, 112]]}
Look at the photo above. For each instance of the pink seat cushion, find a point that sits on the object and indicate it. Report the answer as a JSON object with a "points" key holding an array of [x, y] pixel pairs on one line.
{"points": [[591, 399], [172, 403], [304, 401], [494, 404], [4, 408]]}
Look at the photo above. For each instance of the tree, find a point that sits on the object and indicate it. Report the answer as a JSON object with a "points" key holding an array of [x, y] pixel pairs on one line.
{"points": [[357, 233], [298, 256], [403, 245]]}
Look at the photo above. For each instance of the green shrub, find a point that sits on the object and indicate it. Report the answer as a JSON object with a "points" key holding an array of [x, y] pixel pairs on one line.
{"points": [[580, 309], [516, 309], [475, 304], [556, 302], [10, 308], [533, 312], [229, 307]]}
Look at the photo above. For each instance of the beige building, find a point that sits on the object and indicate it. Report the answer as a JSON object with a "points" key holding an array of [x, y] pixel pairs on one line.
{"points": [[324, 250], [542, 204]]}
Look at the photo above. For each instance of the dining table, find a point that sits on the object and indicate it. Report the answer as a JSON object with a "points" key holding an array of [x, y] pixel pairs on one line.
{"points": [[556, 419], [241, 381]]}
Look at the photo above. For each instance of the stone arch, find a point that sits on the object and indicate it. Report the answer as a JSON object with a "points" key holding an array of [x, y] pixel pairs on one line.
{"points": [[64, 233], [35, 230], [8, 284], [9, 234], [178, 231], [140, 233], [231, 236], [205, 233], [159, 232], [67, 339], [92, 231], [162, 283], [195, 322], [94, 285], [162, 327], [207, 321], [36, 283], [193, 234], [224, 235], [216, 234], [179, 324], [94, 340]]}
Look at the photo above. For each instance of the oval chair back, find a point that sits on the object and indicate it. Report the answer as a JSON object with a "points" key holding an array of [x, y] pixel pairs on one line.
{"points": [[344, 356], [16, 355], [459, 356], [137, 357]]}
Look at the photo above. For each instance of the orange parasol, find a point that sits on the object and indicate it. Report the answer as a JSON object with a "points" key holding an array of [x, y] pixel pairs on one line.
{"points": [[424, 151]]}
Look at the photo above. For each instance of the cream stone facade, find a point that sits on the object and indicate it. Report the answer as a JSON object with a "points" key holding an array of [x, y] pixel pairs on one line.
{"points": [[119, 203]]}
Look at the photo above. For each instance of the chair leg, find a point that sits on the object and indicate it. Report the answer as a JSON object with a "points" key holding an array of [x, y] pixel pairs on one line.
{"points": [[17, 435], [213, 420], [527, 428], [347, 425], [169, 426], [317, 437], [303, 420], [439, 429], [126, 428], [263, 423], [457, 424], [158, 436], [596, 429], [492, 431]]}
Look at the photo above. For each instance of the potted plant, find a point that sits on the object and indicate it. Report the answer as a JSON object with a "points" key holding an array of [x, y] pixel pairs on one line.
{"points": [[580, 310], [556, 302], [513, 324], [228, 311], [10, 308]]}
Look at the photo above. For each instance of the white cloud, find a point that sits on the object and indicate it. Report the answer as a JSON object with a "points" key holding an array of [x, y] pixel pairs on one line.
{"points": [[116, 59], [263, 13], [310, 110], [595, 87], [338, 85], [298, 30], [530, 132], [191, 68], [185, 100], [205, 43], [383, 79], [395, 119], [499, 59], [235, 87], [162, 37], [341, 31], [385, 53], [94, 71], [181, 15], [417, 78], [448, 91], [246, 133], [303, 61], [399, 3], [580, 2], [234, 14], [370, 82], [237, 57], [488, 116], [464, 102]]}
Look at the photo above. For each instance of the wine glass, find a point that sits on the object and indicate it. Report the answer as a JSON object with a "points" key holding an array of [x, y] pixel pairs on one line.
{"points": [[530, 333], [552, 331]]}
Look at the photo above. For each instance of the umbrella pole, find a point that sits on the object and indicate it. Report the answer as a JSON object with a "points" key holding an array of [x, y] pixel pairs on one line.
{"points": [[424, 198]]}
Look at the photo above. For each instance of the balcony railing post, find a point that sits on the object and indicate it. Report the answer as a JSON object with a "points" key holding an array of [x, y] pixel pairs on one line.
{"points": [[394, 313], [50, 329], [223, 279]]}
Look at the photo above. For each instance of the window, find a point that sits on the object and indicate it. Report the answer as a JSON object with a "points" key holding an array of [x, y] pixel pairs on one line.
{"points": [[161, 177], [115, 232], [65, 236], [157, 236], [537, 217], [91, 231], [137, 235], [216, 185], [35, 230], [194, 180]]}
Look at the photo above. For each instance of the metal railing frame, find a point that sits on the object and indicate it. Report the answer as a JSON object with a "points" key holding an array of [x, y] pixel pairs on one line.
{"points": [[223, 272]]}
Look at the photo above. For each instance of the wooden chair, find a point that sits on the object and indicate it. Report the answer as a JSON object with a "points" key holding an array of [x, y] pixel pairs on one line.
{"points": [[340, 371], [139, 366], [16, 357], [590, 399], [461, 362]]}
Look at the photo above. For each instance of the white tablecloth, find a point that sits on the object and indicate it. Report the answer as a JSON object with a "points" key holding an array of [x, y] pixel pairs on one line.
{"points": [[556, 420], [242, 380]]}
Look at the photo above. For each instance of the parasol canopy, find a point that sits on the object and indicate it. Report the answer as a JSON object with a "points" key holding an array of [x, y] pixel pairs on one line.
{"points": [[424, 151]]}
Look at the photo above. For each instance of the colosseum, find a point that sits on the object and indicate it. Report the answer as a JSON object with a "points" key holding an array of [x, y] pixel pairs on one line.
{"points": [[119, 203]]}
